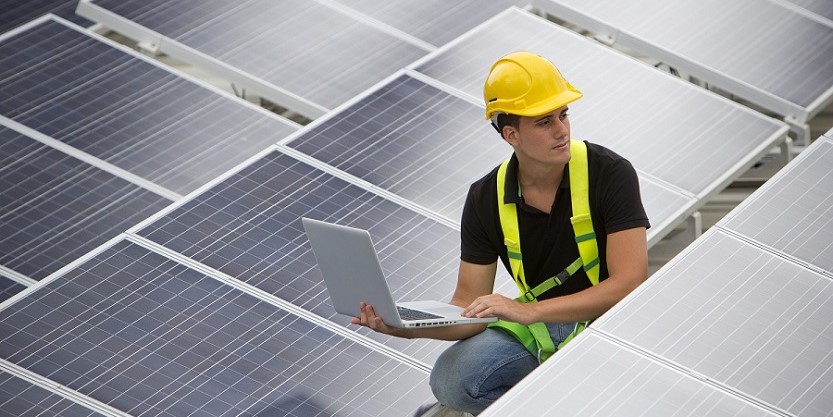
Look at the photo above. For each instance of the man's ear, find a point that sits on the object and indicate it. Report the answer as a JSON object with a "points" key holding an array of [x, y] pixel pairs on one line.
{"points": [[510, 134]]}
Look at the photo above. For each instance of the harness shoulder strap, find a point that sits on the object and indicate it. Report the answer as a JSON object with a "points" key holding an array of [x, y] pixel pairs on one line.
{"points": [[535, 337]]}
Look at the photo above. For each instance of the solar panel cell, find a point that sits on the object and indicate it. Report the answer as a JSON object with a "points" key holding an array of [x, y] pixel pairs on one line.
{"points": [[127, 111], [21, 398], [412, 139], [741, 316], [54, 208], [213, 350], [653, 388], [330, 57], [248, 226], [791, 214]]}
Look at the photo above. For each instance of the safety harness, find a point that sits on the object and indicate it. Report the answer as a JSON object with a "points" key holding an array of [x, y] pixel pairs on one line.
{"points": [[535, 337]]}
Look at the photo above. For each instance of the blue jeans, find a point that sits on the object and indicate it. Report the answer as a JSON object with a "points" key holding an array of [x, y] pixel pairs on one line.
{"points": [[473, 373]]}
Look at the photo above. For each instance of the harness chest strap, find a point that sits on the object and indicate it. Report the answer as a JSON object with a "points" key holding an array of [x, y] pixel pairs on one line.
{"points": [[535, 337]]}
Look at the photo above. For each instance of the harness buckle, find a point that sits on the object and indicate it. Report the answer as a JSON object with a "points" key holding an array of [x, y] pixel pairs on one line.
{"points": [[529, 296]]}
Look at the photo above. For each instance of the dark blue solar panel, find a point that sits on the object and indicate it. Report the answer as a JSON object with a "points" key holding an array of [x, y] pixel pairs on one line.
{"points": [[412, 139], [20, 398], [249, 227], [127, 111], [16, 12], [8, 288], [54, 208], [151, 337]]}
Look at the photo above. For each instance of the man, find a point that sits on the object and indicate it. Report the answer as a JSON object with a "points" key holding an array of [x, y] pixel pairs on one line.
{"points": [[526, 100]]}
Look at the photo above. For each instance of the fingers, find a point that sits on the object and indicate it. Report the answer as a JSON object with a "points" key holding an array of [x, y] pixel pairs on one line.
{"points": [[368, 318]]}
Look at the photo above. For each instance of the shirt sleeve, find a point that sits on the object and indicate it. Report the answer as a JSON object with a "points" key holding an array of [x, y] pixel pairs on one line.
{"points": [[620, 199], [478, 233]]}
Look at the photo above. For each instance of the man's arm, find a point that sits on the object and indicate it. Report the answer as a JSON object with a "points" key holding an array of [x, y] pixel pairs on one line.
{"points": [[627, 264], [473, 281]]}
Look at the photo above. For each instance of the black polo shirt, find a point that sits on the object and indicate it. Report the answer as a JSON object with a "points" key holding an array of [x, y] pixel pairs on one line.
{"points": [[547, 240]]}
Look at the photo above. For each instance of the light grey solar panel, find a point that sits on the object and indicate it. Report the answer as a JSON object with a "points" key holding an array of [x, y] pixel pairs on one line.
{"points": [[301, 49], [112, 104], [764, 52], [434, 21], [148, 336], [667, 128], [821, 8], [248, 227], [792, 213], [740, 316], [54, 208], [21, 398], [597, 377]]}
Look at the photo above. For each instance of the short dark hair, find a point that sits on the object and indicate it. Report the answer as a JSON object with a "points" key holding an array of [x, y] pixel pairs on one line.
{"points": [[506, 119]]}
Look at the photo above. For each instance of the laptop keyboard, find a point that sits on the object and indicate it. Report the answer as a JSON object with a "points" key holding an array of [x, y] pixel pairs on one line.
{"points": [[408, 314]]}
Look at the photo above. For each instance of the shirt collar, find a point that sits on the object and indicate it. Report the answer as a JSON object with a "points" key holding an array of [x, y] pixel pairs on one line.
{"points": [[512, 188]]}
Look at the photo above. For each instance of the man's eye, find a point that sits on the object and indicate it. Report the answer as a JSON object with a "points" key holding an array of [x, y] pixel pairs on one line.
{"points": [[564, 116]]}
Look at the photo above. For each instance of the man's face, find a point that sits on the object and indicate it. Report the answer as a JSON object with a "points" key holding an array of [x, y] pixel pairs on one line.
{"points": [[544, 139]]}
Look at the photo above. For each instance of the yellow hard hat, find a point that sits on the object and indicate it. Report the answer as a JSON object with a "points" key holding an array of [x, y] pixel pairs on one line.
{"points": [[526, 84]]}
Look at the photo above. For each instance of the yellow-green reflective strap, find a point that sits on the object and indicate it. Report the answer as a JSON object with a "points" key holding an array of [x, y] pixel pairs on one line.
{"points": [[535, 337]]}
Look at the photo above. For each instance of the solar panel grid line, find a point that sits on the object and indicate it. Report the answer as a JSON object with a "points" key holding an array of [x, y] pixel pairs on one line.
{"points": [[774, 251], [58, 389], [280, 303], [789, 214], [298, 102], [90, 159], [401, 129], [165, 281], [217, 115], [372, 188], [16, 276], [203, 188], [55, 207], [689, 372], [271, 252], [726, 326], [451, 67], [180, 74], [379, 24], [637, 385], [728, 77], [412, 71]]}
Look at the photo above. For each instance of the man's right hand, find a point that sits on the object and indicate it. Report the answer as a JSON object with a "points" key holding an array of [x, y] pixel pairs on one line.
{"points": [[368, 318]]}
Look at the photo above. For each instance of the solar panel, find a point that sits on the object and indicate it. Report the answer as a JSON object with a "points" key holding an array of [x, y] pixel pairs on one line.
{"points": [[759, 50], [314, 54], [9, 287], [434, 21], [740, 316], [428, 145], [668, 129], [148, 336], [792, 212], [112, 104], [820, 8], [17, 12], [248, 227], [635, 385], [22, 398], [54, 207], [412, 139]]}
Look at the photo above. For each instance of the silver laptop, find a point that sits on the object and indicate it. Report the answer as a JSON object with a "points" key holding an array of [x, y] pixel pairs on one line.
{"points": [[352, 274]]}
